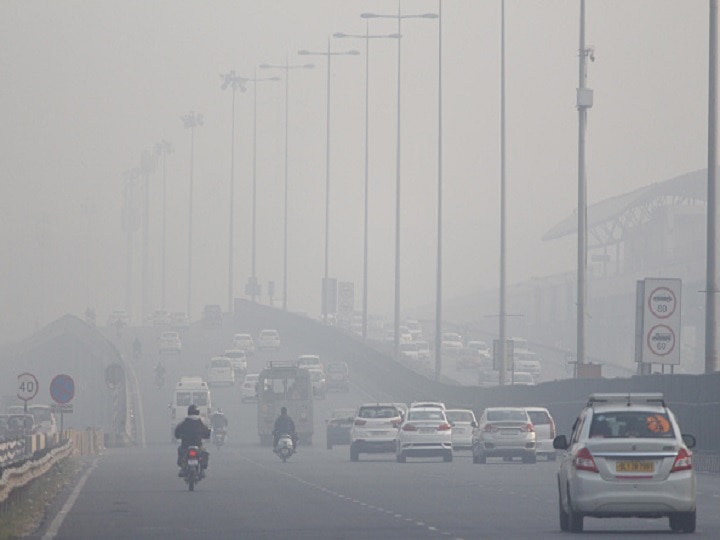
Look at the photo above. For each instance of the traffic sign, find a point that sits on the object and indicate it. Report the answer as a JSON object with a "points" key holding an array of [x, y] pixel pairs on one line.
{"points": [[27, 386], [662, 302], [661, 340], [62, 388]]}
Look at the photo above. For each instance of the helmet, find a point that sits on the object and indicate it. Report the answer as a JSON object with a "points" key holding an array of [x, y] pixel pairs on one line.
{"points": [[193, 410], [218, 411], [283, 410]]}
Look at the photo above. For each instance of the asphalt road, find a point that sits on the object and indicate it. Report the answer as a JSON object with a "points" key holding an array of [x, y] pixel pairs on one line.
{"points": [[250, 494]]}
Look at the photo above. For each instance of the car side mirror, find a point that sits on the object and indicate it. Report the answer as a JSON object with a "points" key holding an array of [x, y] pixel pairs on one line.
{"points": [[560, 443], [474, 424], [689, 440]]}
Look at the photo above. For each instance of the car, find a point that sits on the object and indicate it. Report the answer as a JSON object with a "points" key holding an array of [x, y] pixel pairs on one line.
{"points": [[463, 423], [337, 376], [248, 389], [319, 385], [220, 372], [20, 425], [544, 431], [170, 342], [45, 421], [212, 315], [408, 349], [244, 342], [159, 317], [527, 361], [338, 427], [118, 319], [423, 350], [268, 339], [451, 343], [309, 361], [414, 328], [468, 360], [374, 429], [521, 378], [505, 432], [427, 404], [626, 457], [424, 432], [179, 320], [478, 346], [238, 358]]}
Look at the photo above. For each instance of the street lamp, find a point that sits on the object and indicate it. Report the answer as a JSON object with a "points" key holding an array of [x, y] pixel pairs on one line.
{"points": [[232, 81], [329, 54], [148, 162], [191, 121], [400, 17], [367, 37], [253, 275], [286, 67], [163, 148]]}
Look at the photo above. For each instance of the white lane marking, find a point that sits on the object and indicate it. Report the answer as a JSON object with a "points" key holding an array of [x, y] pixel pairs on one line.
{"points": [[65, 510]]}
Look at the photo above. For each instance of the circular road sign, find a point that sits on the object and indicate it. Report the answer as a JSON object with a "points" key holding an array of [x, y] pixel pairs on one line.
{"points": [[661, 340], [27, 386], [662, 302], [62, 388]]}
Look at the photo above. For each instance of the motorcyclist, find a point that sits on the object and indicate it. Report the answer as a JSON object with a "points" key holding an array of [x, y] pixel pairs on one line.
{"points": [[191, 431], [218, 421], [159, 373], [284, 424]]}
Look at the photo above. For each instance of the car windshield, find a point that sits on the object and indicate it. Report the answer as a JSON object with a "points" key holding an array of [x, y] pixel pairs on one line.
{"points": [[625, 424], [425, 415], [42, 414], [506, 415], [539, 418], [459, 416], [378, 412]]}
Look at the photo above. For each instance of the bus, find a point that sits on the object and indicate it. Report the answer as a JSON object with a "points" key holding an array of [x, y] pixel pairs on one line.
{"points": [[283, 384]]}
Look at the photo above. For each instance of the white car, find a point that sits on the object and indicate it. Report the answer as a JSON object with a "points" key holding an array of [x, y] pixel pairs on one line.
{"points": [[220, 372], [626, 457], [544, 431], [268, 339], [415, 329], [463, 423], [528, 361], [427, 404], [505, 432], [248, 389], [374, 429], [451, 342], [424, 432], [423, 350], [309, 361], [170, 342], [244, 342], [522, 378], [238, 358], [409, 350]]}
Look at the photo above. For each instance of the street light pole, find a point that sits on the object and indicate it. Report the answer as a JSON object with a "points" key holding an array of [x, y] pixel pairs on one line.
{"points": [[438, 286], [163, 148], [191, 121], [329, 54], [286, 67], [367, 37], [234, 83], [399, 17], [147, 166], [502, 353]]}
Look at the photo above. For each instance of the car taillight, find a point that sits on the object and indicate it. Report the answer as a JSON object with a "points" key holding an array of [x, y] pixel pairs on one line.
{"points": [[683, 461], [490, 428], [359, 422], [192, 453], [552, 429], [444, 427], [527, 428], [409, 427], [584, 461]]}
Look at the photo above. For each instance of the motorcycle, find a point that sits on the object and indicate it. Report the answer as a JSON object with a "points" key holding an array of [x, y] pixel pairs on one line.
{"points": [[192, 470], [219, 435], [285, 447]]}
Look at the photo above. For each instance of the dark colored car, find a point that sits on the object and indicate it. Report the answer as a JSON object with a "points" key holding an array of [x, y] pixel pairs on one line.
{"points": [[338, 427], [337, 376], [212, 315]]}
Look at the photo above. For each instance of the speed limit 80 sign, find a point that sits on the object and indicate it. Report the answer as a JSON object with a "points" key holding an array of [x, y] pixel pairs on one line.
{"points": [[27, 387]]}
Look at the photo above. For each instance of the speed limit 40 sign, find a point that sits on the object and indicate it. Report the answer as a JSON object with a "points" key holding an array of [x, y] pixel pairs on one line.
{"points": [[27, 387]]}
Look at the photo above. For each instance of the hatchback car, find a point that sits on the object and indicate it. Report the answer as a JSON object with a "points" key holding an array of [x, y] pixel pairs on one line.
{"points": [[244, 342], [374, 429], [337, 376], [248, 389], [170, 342], [463, 423], [220, 372], [505, 432], [409, 350], [309, 361], [626, 457], [338, 427], [268, 339], [544, 431], [425, 432], [238, 359]]}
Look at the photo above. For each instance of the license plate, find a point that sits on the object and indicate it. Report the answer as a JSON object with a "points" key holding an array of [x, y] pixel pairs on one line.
{"points": [[192, 462], [426, 430], [634, 467], [508, 432]]}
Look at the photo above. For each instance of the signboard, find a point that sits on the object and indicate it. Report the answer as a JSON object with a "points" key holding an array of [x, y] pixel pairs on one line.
{"points": [[660, 338], [65, 408], [62, 389], [27, 387], [346, 299], [509, 354]]}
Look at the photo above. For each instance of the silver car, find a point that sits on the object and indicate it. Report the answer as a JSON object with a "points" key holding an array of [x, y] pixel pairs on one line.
{"points": [[505, 432], [463, 423], [626, 457]]}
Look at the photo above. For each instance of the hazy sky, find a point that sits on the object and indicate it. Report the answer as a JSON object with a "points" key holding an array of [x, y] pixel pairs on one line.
{"points": [[88, 86]]}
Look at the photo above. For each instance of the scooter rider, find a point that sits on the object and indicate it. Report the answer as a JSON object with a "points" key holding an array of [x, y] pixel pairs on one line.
{"points": [[191, 431], [284, 424], [218, 421]]}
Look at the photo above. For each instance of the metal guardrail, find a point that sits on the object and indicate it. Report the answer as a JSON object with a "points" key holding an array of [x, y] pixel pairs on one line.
{"points": [[12, 451]]}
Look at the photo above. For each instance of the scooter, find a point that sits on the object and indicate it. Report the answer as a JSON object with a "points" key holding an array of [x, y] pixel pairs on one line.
{"points": [[219, 435], [285, 447], [193, 470]]}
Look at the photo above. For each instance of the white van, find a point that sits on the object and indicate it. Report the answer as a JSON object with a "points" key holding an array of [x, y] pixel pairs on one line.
{"points": [[44, 418], [189, 391]]}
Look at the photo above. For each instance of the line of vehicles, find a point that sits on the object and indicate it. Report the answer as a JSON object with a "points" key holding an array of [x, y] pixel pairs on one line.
{"points": [[16, 422], [625, 457]]}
